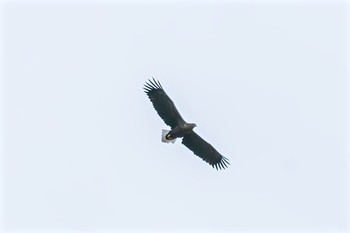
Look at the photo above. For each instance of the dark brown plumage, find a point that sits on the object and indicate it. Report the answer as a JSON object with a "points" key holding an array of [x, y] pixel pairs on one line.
{"points": [[166, 109]]}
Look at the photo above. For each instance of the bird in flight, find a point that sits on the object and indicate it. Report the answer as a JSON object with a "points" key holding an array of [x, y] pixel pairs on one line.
{"points": [[166, 109]]}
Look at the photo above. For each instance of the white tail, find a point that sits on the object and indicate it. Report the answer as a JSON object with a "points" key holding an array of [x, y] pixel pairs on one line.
{"points": [[165, 132]]}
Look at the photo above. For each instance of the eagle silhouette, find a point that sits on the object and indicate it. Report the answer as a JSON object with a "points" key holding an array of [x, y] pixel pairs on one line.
{"points": [[180, 128]]}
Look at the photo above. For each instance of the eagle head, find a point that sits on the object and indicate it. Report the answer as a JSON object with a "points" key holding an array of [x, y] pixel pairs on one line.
{"points": [[191, 125]]}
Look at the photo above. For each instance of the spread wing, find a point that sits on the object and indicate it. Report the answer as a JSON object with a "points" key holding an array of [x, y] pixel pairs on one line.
{"points": [[204, 150], [162, 103]]}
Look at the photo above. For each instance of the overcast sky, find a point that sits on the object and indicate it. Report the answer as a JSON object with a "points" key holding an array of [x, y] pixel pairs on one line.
{"points": [[265, 84]]}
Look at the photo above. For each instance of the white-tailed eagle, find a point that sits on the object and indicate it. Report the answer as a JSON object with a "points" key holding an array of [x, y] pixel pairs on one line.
{"points": [[180, 128]]}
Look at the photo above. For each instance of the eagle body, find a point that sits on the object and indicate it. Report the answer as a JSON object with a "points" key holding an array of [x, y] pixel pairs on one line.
{"points": [[166, 109], [180, 131]]}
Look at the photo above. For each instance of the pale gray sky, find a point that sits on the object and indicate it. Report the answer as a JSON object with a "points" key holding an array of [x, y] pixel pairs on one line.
{"points": [[265, 84]]}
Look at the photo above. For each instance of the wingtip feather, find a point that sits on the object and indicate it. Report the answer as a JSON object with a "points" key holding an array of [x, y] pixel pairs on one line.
{"points": [[223, 164], [152, 84]]}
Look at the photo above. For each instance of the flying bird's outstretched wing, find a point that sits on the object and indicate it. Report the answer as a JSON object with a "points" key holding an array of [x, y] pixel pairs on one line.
{"points": [[204, 150], [162, 103]]}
